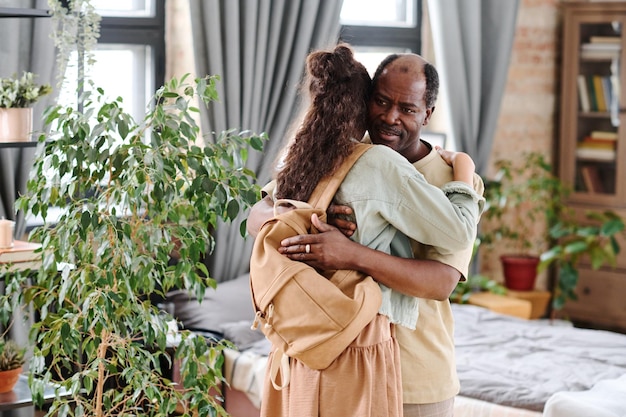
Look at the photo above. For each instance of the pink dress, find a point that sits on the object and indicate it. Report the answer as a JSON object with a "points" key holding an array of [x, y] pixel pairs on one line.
{"points": [[363, 381]]}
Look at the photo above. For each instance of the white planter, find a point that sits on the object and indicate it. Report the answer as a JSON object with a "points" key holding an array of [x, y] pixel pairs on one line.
{"points": [[16, 124]]}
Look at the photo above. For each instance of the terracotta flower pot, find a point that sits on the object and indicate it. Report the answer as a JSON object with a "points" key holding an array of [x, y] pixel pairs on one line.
{"points": [[520, 271], [8, 379], [16, 124]]}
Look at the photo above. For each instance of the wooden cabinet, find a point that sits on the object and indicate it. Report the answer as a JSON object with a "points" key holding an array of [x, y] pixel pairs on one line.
{"points": [[592, 143]]}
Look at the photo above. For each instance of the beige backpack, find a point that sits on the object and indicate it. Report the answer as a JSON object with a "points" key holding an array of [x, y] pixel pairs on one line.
{"points": [[307, 315]]}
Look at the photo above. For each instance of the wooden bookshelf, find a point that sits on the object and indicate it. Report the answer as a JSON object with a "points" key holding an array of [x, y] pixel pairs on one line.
{"points": [[592, 142]]}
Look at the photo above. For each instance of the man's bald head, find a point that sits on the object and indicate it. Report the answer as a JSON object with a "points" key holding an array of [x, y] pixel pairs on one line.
{"points": [[415, 65]]}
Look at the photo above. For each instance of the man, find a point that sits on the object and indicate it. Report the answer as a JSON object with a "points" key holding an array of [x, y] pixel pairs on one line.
{"points": [[405, 88]]}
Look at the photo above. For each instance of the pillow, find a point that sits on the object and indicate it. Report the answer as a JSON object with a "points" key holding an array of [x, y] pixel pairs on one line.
{"points": [[229, 302], [241, 334]]}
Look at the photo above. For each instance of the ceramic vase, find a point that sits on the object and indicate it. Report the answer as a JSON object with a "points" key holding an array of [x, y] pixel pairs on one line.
{"points": [[16, 124]]}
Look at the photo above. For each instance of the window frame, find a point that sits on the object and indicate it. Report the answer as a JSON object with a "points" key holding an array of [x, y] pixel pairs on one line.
{"points": [[139, 30], [386, 36]]}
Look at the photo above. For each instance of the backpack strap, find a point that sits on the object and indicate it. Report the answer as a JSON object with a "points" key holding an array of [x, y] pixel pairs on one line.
{"points": [[293, 203], [325, 191], [280, 367]]}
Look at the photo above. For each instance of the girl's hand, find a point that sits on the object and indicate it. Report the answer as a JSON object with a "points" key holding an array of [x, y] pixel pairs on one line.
{"points": [[462, 164]]}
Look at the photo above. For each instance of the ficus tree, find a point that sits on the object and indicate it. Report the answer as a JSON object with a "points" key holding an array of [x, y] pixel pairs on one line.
{"points": [[137, 204]]}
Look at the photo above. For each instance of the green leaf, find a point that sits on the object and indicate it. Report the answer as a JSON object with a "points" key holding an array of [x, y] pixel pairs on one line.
{"points": [[612, 227], [209, 185], [232, 210], [257, 143], [576, 247]]}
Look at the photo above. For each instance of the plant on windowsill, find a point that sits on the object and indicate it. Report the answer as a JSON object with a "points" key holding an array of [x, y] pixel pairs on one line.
{"points": [[129, 193], [527, 197], [11, 361]]}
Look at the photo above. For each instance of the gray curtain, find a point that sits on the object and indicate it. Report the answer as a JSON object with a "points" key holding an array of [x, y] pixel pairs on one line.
{"points": [[473, 41], [258, 48], [28, 47]]}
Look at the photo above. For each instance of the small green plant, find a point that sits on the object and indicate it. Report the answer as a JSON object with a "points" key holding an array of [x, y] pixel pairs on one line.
{"points": [[475, 283], [573, 242], [11, 355], [20, 92]]}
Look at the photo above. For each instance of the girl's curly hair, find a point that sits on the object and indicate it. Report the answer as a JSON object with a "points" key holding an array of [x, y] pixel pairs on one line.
{"points": [[339, 88]]}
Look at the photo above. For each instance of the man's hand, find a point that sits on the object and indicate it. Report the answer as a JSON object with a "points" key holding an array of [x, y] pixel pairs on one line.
{"points": [[345, 226], [329, 249]]}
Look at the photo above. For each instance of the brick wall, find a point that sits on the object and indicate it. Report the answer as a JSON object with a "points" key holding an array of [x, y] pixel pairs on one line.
{"points": [[527, 120]]}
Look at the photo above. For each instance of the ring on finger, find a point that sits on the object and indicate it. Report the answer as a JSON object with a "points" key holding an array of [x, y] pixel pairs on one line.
{"points": [[307, 248]]}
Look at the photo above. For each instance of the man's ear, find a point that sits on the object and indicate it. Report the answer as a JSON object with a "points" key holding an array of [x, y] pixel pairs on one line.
{"points": [[429, 112]]}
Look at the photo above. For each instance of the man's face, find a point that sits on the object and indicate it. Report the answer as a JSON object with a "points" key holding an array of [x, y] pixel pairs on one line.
{"points": [[397, 111]]}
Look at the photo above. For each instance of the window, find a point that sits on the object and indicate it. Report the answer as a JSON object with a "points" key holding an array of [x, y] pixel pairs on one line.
{"points": [[130, 59], [377, 28], [130, 56]]}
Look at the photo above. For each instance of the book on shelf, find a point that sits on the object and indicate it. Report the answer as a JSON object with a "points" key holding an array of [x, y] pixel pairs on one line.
{"points": [[607, 87], [598, 90], [583, 94], [595, 154], [591, 178], [606, 39], [601, 46], [591, 143], [603, 134], [603, 54], [20, 252], [593, 98]]}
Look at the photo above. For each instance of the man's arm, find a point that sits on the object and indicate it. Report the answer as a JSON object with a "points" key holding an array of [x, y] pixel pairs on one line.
{"points": [[330, 249]]}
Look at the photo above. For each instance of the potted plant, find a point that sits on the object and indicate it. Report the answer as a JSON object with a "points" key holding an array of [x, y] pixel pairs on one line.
{"points": [[522, 202], [17, 95], [129, 193], [526, 215], [11, 361]]}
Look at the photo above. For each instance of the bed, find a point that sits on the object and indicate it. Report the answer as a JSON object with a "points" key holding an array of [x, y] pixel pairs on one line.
{"points": [[508, 367]]}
